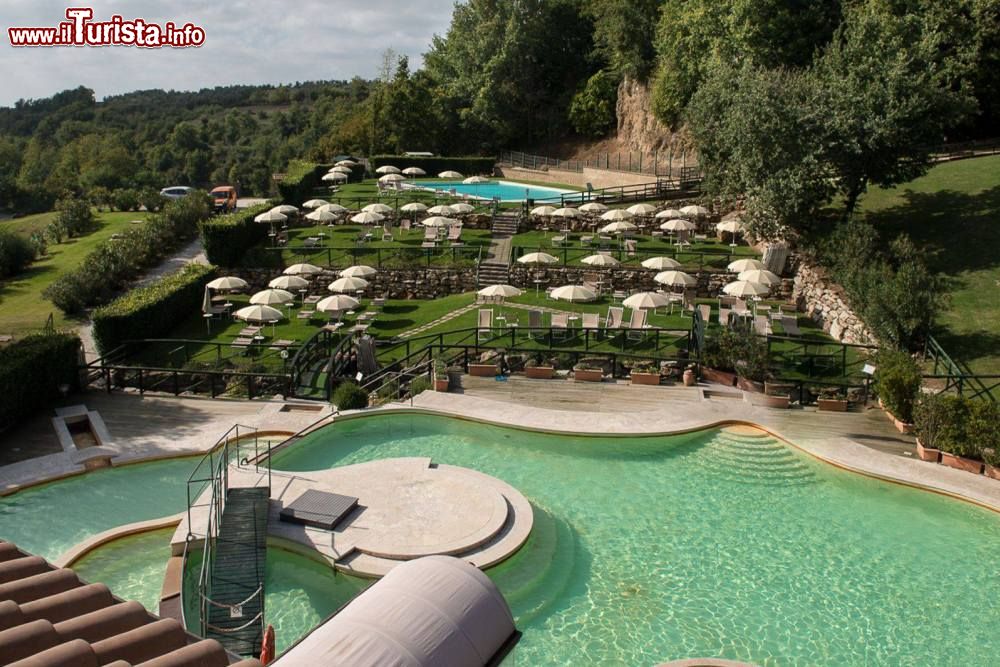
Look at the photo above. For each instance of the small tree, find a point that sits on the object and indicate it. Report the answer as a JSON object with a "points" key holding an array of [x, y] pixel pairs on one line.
{"points": [[592, 111], [897, 382], [75, 216]]}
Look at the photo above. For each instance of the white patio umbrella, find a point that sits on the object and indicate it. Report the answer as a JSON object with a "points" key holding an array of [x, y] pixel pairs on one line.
{"points": [[289, 283], [286, 209], [332, 208], [347, 163], [272, 297], [661, 263], [678, 225], [566, 213], [731, 226], [347, 285], [259, 314], [440, 209], [449, 174], [392, 178], [641, 209], [271, 217], [668, 213], [741, 265], [619, 226], [542, 211], [315, 203], [475, 180], [462, 207], [227, 283], [302, 270], [694, 211], [321, 216], [675, 279], [413, 207], [745, 288], [594, 207], [378, 208], [387, 169], [358, 271], [762, 276], [367, 218], [600, 260], [337, 302], [573, 293], [499, 290], [537, 258], [334, 176], [616, 215], [438, 221], [652, 300], [414, 171], [341, 169]]}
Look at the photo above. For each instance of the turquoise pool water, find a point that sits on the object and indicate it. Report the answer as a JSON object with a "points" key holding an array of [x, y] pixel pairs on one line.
{"points": [[504, 190], [712, 544], [132, 566]]}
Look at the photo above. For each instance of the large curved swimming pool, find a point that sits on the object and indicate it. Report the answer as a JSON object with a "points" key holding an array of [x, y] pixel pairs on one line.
{"points": [[722, 543]]}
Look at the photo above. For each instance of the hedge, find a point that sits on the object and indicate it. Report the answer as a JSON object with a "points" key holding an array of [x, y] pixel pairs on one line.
{"points": [[300, 180], [227, 238], [151, 311], [16, 253], [31, 371], [467, 166], [959, 425]]}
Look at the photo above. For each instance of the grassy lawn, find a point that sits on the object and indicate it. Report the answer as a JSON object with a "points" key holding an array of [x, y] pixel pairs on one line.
{"points": [[954, 212], [22, 307]]}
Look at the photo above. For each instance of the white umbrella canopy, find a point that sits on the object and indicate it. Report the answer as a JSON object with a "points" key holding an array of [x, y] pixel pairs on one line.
{"points": [[259, 314], [620, 226], [675, 279], [731, 226], [347, 285], [449, 174], [314, 203], [462, 207], [341, 169], [745, 288], [600, 260], [358, 271], [594, 207], [661, 263], [762, 276], [288, 283], [227, 283], [337, 302], [286, 209], [332, 208], [499, 290], [641, 209], [271, 217], [413, 207], [438, 221], [414, 171], [346, 163], [573, 293], [537, 258], [378, 208], [678, 225], [321, 216], [302, 270], [616, 215], [566, 213], [741, 265], [440, 209], [272, 297], [387, 169], [474, 180], [367, 218], [646, 300], [392, 178], [669, 213], [335, 176], [695, 211], [543, 211]]}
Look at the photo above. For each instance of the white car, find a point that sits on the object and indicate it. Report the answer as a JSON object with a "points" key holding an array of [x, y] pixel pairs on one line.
{"points": [[176, 192]]}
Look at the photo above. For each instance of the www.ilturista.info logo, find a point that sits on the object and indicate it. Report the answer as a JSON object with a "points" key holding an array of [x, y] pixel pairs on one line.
{"points": [[79, 30]]}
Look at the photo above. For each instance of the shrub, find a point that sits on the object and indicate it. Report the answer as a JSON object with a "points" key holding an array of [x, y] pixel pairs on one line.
{"points": [[592, 111], [49, 360], [349, 396], [300, 180], [150, 311], [467, 166], [960, 426], [75, 216], [151, 200], [897, 382], [419, 384], [227, 238], [125, 199], [16, 253], [983, 430], [738, 350]]}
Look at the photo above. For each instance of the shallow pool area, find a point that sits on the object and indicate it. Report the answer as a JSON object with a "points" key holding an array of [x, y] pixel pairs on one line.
{"points": [[131, 566], [507, 191]]}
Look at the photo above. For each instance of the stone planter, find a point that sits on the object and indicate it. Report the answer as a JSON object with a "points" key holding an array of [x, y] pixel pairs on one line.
{"points": [[961, 463], [719, 377], [690, 379], [750, 385], [588, 375], [539, 372], [832, 404], [992, 471], [645, 378], [483, 370], [901, 426], [769, 401], [927, 453], [441, 384]]}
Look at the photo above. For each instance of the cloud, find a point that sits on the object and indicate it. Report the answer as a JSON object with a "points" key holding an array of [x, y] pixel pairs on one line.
{"points": [[247, 42]]}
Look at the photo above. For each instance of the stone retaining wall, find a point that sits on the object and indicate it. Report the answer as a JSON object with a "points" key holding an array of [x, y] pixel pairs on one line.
{"points": [[826, 304], [396, 283]]}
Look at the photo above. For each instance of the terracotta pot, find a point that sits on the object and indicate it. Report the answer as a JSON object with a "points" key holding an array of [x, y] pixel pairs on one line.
{"points": [[483, 370], [690, 379], [927, 453], [581, 375], [992, 471], [961, 463], [645, 378], [441, 384], [750, 385], [539, 372], [769, 401], [902, 427], [832, 404], [719, 377]]}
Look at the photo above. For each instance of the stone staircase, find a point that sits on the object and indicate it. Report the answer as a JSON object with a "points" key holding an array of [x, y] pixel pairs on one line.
{"points": [[754, 459], [495, 267]]}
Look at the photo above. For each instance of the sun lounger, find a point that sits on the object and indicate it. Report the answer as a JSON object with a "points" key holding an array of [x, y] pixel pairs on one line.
{"points": [[791, 325], [534, 322], [630, 246], [613, 322], [549, 291], [305, 314], [248, 332], [636, 328], [762, 325], [724, 316], [560, 323], [586, 239], [242, 342], [557, 241], [740, 306], [591, 321], [485, 329], [706, 312], [387, 232], [455, 235], [405, 225], [430, 234]]}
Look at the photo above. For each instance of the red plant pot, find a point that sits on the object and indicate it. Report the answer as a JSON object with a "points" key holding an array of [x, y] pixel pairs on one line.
{"points": [[588, 375], [719, 377], [441, 384], [645, 378], [961, 463], [483, 370], [539, 372], [831, 404], [928, 453], [992, 471]]}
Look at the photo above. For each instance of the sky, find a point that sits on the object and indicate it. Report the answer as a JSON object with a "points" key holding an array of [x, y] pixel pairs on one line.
{"points": [[246, 42]]}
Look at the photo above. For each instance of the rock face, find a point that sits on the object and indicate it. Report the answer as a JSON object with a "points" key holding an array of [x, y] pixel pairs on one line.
{"points": [[825, 303], [638, 129]]}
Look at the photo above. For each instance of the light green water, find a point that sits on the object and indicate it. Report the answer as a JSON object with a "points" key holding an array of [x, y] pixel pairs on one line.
{"points": [[132, 567], [712, 544]]}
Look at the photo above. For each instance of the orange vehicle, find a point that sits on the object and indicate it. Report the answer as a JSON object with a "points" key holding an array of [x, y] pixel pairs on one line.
{"points": [[224, 197]]}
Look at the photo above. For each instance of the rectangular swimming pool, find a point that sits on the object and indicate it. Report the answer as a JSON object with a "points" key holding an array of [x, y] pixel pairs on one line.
{"points": [[506, 191]]}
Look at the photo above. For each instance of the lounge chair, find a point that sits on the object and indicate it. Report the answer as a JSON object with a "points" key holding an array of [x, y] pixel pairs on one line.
{"points": [[557, 241], [430, 234], [689, 296], [630, 246], [387, 232], [761, 325], [534, 322], [455, 235], [706, 312], [613, 322], [586, 239], [724, 316], [636, 329], [591, 321], [791, 325], [560, 323], [740, 306], [485, 324], [405, 225], [549, 291]]}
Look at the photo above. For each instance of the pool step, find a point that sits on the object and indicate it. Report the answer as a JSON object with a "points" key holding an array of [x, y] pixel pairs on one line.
{"points": [[753, 460]]}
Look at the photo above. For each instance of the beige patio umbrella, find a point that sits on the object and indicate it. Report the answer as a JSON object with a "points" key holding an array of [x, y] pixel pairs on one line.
{"points": [[668, 213], [537, 258], [358, 271], [641, 209], [413, 207], [745, 288], [302, 270], [462, 207], [272, 297], [600, 260], [333, 208], [392, 178], [289, 283], [440, 209], [321, 216], [438, 221], [616, 227], [285, 209], [741, 265], [574, 293], [499, 290], [387, 169], [475, 180], [259, 314], [334, 176], [346, 163], [341, 169], [414, 171], [730, 226], [381, 209], [616, 215], [337, 303], [314, 203], [646, 300], [271, 217], [543, 211], [348, 285], [661, 263], [678, 225], [566, 212], [762, 276], [449, 174], [675, 279], [229, 283], [594, 207], [367, 218], [694, 211]]}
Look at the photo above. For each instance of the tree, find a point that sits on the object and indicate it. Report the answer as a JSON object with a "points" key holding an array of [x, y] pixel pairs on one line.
{"points": [[624, 33], [592, 111]]}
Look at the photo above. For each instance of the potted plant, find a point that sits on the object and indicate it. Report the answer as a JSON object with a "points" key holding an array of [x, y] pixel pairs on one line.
{"points": [[440, 375], [897, 383], [486, 367], [535, 369], [645, 372], [930, 416], [689, 377], [831, 399], [983, 432], [736, 357], [953, 435], [588, 371]]}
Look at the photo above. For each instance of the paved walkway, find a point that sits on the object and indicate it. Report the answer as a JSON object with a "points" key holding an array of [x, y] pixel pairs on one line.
{"points": [[441, 320]]}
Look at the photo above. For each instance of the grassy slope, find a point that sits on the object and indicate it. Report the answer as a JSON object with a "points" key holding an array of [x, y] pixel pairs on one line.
{"points": [[22, 306], [954, 212]]}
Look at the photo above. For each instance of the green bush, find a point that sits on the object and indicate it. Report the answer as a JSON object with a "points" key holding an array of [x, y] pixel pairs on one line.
{"points": [[227, 238], [16, 253], [983, 430], [960, 426], [592, 111], [897, 382], [151, 311], [125, 199], [151, 200], [300, 180], [467, 166], [419, 384], [739, 351], [75, 217], [31, 371], [349, 396]]}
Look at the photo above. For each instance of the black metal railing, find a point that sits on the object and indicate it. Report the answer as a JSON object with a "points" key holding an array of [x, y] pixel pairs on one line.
{"points": [[956, 376], [659, 163]]}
